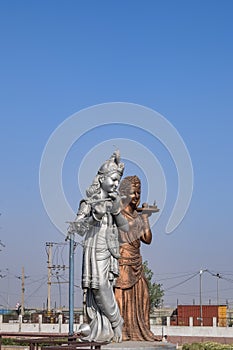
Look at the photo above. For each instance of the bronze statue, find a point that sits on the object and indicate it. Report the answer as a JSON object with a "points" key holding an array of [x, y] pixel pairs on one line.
{"points": [[99, 217], [131, 289]]}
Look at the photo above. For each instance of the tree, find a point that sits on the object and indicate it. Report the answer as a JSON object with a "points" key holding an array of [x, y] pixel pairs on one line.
{"points": [[156, 291]]}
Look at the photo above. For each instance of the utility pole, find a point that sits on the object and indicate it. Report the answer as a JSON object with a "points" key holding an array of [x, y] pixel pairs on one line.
{"points": [[59, 286], [23, 291], [51, 269], [49, 252], [22, 278]]}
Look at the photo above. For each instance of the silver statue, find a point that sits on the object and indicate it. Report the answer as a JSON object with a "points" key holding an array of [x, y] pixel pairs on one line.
{"points": [[99, 217]]}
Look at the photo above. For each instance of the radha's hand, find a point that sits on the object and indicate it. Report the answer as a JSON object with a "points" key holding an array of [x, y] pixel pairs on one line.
{"points": [[145, 214]]}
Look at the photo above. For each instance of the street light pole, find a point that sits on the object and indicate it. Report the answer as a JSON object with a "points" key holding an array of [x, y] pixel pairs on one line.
{"points": [[201, 319], [8, 288], [201, 311], [218, 276], [71, 284], [23, 291]]}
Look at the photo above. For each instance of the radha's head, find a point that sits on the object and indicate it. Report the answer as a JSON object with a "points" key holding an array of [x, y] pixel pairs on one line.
{"points": [[130, 188]]}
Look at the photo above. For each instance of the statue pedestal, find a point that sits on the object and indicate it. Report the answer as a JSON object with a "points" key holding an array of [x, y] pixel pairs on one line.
{"points": [[139, 345]]}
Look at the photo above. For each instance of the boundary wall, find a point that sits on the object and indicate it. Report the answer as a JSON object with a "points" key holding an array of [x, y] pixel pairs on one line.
{"points": [[174, 334]]}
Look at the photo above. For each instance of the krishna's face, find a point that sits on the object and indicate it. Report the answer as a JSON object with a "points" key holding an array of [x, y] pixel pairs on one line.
{"points": [[109, 183]]}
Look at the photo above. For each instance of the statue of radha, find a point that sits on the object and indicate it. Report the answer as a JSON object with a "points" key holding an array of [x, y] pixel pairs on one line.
{"points": [[131, 288], [98, 219]]}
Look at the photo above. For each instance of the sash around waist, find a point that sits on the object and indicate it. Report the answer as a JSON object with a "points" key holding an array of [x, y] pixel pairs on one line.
{"points": [[130, 261], [130, 255]]}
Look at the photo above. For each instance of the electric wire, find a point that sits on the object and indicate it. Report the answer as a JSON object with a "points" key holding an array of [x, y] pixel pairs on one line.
{"points": [[30, 295], [175, 277], [182, 282]]}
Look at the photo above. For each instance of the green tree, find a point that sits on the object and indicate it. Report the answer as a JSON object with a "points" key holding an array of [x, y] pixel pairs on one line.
{"points": [[156, 291]]}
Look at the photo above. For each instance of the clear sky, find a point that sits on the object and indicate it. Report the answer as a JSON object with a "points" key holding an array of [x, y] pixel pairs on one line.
{"points": [[174, 57]]}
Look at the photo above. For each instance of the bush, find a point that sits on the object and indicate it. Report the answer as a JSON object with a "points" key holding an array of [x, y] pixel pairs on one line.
{"points": [[193, 346], [207, 346], [8, 341]]}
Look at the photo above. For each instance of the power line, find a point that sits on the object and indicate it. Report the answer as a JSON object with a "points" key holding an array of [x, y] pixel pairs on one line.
{"points": [[37, 281], [2, 245], [42, 283], [176, 273], [178, 284], [175, 277]]}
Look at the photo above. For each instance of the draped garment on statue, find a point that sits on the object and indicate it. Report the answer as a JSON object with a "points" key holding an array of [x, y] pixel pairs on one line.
{"points": [[100, 269], [131, 288]]}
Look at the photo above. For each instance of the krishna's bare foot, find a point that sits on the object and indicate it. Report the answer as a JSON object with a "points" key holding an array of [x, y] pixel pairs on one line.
{"points": [[117, 334]]}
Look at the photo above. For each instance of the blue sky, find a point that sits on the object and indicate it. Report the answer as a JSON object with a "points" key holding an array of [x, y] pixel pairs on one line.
{"points": [[174, 57]]}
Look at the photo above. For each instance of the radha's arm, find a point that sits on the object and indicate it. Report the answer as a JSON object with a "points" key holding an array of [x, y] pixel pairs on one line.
{"points": [[121, 222], [146, 236]]}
